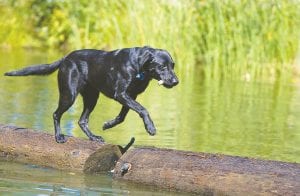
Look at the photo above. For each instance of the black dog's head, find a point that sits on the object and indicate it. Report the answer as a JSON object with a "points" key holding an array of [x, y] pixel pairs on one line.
{"points": [[158, 64]]}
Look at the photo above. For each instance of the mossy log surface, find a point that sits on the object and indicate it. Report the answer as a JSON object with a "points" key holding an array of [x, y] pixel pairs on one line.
{"points": [[208, 174], [39, 148]]}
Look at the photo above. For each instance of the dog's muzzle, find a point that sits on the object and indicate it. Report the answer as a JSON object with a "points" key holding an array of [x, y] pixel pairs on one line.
{"points": [[169, 84]]}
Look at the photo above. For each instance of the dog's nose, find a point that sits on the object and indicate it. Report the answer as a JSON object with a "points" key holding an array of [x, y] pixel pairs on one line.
{"points": [[175, 81]]}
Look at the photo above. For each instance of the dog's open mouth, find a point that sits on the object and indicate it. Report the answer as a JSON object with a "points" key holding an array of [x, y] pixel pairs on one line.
{"points": [[161, 82]]}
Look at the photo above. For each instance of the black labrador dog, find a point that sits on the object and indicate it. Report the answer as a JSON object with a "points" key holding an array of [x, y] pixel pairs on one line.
{"points": [[120, 74]]}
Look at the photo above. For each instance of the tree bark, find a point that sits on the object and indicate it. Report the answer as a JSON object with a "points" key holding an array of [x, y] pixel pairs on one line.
{"points": [[200, 173], [35, 147], [208, 174]]}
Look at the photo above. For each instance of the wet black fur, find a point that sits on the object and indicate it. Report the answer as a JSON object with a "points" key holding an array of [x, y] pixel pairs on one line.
{"points": [[119, 74]]}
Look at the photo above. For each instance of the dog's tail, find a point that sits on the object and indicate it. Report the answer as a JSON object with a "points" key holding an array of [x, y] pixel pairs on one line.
{"points": [[42, 69]]}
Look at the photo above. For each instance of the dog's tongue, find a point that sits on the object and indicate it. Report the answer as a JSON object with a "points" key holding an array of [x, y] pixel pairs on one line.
{"points": [[160, 82]]}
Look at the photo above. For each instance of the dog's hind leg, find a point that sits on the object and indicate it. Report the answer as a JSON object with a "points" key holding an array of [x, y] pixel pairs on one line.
{"points": [[65, 102], [69, 85], [90, 97], [119, 119]]}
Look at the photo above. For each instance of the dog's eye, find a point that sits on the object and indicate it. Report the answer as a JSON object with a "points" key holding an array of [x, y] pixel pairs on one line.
{"points": [[162, 67]]}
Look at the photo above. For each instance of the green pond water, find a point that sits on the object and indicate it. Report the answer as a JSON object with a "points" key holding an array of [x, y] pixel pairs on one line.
{"points": [[250, 119]]}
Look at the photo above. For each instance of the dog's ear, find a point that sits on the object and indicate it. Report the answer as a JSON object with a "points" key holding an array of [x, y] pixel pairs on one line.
{"points": [[145, 58]]}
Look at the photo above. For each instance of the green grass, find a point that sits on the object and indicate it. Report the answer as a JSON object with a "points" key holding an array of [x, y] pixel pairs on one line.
{"points": [[256, 39]]}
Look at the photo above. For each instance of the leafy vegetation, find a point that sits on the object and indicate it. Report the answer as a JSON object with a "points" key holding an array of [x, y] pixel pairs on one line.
{"points": [[228, 39]]}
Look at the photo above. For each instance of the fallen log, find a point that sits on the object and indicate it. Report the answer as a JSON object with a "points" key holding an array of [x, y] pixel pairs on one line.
{"points": [[208, 174], [39, 148], [200, 173]]}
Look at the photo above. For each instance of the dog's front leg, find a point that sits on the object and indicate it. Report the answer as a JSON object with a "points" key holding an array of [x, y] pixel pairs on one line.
{"points": [[129, 102], [120, 118]]}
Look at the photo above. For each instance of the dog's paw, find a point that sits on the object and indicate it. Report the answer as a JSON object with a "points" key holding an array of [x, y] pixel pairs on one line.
{"points": [[106, 125], [151, 131], [97, 138], [60, 138]]}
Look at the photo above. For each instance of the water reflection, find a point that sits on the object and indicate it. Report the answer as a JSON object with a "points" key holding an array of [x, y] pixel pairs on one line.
{"points": [[210, 115], [20, 179]]}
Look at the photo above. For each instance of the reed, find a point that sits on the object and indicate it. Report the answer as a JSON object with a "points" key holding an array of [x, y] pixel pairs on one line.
{"points": [[256, 39]]}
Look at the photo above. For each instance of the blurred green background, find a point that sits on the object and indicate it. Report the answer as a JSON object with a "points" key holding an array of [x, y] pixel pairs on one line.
{"points": [[240, 39], [237, 62]]}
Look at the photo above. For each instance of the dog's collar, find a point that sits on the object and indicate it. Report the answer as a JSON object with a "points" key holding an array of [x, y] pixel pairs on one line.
{"points": [[140, 76]]}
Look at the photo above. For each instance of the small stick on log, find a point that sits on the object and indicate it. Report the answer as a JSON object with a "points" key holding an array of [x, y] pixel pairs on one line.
{"points": [[35, 147], [208, 174]]}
